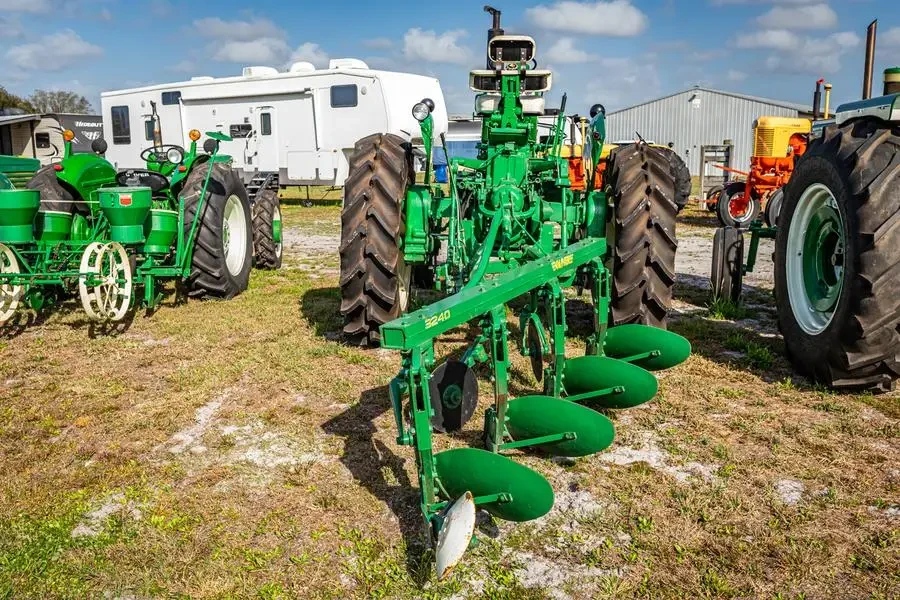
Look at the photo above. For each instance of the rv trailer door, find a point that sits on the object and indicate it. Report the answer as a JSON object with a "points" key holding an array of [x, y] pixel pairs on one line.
{"points": [[266, 138]]}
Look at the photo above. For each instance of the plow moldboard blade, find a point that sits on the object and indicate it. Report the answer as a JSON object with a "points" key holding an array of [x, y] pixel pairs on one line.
{"points": [[532, 417], [588, 374], [626, 341], [484, 473]]}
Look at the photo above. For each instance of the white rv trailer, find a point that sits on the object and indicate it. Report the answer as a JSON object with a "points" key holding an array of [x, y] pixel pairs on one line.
{"points": [[48, 142], [301, 124]]}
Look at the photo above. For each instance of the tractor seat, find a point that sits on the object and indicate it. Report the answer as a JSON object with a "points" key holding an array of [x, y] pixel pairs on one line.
{"points": [[143, 178]]}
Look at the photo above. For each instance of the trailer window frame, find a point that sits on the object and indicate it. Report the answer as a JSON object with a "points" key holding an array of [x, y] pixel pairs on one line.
{"points": [[239, 131], [171, 98], [42, 140], [265, 123], [121, 125], [338, 101]]}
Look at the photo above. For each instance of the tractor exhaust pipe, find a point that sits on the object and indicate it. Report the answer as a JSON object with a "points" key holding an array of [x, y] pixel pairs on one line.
{"points": [[827, 100], [869, 69], [817, 100], [494, 31]]}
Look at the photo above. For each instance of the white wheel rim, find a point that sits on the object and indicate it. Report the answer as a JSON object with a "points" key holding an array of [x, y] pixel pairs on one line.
{"points": [[404, 272], [811, 319], [276, 218], [110, 299], [9, 294], [234, 235]]}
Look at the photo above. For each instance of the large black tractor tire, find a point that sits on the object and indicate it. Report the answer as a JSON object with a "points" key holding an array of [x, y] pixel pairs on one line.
{"points": [[375, 279], [223, 244], [682, 175], [727, 273], [773, 208], [712, 197], [643, 189], [267, 245], [854, 169], [723, 207], [54, 195]]}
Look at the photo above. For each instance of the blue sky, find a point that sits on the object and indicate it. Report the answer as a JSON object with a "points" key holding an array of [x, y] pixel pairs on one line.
{"points": [[617, 52]]}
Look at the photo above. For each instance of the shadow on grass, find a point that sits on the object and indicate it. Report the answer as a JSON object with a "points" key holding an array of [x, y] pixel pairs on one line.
{"points": [[370, 462], [322, 308], [698, 219]]}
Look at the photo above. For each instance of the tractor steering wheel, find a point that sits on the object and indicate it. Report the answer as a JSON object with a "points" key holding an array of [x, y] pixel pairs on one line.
{"points": [[161, 154]]}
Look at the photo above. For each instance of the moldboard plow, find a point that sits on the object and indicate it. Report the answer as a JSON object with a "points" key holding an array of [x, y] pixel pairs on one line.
{"points": [[535, 214]]}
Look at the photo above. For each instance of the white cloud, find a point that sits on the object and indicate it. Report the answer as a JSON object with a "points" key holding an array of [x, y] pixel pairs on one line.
{"points": [[774, 39], [379, 43], [891, 37], [52, 52], [617, 18], [625, 81], [564, 52], [813, 16], [263, 50], [816, 56], [10, 27], [29, 6], [184, 66], [310, 52], [238, 30], [428, 46], [735, 75]]}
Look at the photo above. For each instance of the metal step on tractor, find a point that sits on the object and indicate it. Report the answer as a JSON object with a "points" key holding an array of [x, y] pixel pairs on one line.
{"points": [[837, 248], [512, 233], [81, 227]]}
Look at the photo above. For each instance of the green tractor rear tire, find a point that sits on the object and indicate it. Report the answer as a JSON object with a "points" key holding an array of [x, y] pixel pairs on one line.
{"points": [[374, 279], [642, 186], [837, 267], [267, 245], [54, 195], [222, 259]]}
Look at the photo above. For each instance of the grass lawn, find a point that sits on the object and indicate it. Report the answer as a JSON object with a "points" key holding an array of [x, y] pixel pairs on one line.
{"points": [[238, 450]]}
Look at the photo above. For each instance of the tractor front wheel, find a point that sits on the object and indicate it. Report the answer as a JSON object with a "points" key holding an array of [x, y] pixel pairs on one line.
{"points": [[735, 208], [642, 186], [267, 246], [837, 268], [727, 274], [375, 278], [222, 252]]}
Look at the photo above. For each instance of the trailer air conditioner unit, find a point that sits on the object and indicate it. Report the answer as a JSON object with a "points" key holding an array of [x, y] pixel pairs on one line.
{"points": [[302, 67], [347, 63], [259, 71]]}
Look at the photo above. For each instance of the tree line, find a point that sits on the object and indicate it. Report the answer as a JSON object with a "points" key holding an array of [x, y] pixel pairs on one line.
{"points": [[46, 101]]}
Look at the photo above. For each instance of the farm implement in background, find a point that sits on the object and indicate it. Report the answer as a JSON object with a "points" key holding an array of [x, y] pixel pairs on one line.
{"points": [[81, 227], [519, 225]]}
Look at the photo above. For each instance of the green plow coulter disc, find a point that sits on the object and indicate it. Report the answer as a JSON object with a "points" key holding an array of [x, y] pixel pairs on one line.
{"points": [[501, 486], [649, 348], [585, 431], [606, 382]]}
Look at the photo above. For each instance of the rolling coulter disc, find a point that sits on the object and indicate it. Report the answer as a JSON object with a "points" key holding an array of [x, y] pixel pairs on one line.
{"points": [[9, 294], [110, 299], [532, 417], [607, 382], [456, 533], [535, 351], [650, 348], [527, 494], [454, 396]]}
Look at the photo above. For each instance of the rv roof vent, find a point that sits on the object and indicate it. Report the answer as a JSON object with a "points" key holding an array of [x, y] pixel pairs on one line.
{"points": [[259, 71], [302, 67], [202, 78], [347, 63]]}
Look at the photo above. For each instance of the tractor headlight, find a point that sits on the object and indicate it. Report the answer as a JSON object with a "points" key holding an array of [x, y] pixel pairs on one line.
{"points": [[421, 111], [174, 156]]}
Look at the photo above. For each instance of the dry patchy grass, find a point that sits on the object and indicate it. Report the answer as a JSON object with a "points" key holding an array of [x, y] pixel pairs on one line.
{"points": [[236, 449]]}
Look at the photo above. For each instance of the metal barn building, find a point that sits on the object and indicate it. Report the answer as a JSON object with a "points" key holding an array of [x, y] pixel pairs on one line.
{"points": [[699, 117]]}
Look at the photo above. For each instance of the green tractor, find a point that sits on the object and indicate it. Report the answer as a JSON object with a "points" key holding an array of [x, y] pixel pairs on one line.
{"points": [[511, 234], [837, 250], [82, 227]]}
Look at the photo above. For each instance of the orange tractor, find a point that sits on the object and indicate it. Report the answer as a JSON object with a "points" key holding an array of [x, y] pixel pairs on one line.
{"points": [[779, 142]]}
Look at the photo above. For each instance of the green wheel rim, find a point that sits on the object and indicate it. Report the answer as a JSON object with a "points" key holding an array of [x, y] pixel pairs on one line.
{"points": [[276, 228], [815, 259]]}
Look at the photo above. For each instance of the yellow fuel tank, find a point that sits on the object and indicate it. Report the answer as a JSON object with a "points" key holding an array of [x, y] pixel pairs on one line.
{"points": [[773, 134]]}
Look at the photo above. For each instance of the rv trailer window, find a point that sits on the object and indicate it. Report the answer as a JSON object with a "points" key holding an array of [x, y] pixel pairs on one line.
{"points": [[265, 123], [148, 130], [42, 140], [240, 130], [343, 96], [170, 98], [121, 126]]}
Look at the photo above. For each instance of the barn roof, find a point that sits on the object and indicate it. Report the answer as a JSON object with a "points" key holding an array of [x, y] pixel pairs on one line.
{"points": [[803, 108]]}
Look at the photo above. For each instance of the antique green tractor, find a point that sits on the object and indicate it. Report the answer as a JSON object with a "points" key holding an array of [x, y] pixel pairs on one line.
{"points": [[837, 250], [81, 226], [511, 234]]}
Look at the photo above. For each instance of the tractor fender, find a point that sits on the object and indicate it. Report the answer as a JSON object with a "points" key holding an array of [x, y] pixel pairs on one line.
{"points": [[84, 173]]}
